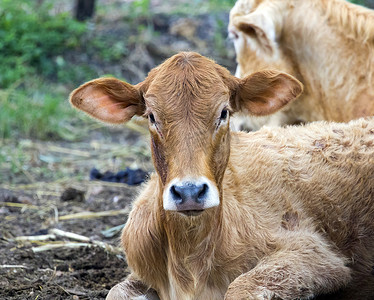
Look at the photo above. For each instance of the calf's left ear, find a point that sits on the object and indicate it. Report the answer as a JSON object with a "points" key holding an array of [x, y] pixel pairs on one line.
{"points": [[265, 92], [108, 99]]}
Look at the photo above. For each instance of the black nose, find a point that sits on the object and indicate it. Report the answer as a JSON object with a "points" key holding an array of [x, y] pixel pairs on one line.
{"points": [[189, 192]]}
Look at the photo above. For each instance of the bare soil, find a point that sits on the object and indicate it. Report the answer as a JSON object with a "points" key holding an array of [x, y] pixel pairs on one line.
{"points": [[86, 272]]}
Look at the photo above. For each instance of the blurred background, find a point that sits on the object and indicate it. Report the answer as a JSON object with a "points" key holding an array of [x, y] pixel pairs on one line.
{"points": [[48, 150]]}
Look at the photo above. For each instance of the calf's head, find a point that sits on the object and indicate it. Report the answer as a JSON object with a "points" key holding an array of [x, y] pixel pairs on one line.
{"points": [[188, 101]]}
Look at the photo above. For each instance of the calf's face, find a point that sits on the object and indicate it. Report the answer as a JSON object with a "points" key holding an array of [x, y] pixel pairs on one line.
{"points": [[188, 101]]}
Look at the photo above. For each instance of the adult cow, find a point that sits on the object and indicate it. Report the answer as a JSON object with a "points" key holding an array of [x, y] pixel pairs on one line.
{"points": [[327, 44], [284, 213]]}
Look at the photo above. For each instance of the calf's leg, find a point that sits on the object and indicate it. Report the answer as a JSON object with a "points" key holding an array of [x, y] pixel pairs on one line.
{"points": [[131, 289], [304, 266]]}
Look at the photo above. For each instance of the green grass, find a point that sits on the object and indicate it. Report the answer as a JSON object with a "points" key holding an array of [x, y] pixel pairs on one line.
{"points": [[36, 109], [31, 39]]}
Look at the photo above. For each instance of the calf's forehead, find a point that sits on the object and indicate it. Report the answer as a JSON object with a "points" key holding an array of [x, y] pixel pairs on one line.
{"points": [[186, 81]]}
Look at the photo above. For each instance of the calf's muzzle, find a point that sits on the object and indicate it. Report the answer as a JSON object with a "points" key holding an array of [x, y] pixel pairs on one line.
{"points": [[190, 195]]}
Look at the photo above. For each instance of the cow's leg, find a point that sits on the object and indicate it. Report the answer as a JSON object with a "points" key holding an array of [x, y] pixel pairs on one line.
{"points": [[132, 289], [303, 266]]}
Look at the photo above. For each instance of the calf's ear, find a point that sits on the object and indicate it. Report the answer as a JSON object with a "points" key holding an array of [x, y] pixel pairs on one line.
{"points": [[108, 99], [260, 28], [265, 92]]}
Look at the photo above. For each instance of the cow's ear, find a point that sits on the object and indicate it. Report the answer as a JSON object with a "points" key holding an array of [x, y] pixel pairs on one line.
{"points": [[265, 92], [260, 28], [109, 100]]}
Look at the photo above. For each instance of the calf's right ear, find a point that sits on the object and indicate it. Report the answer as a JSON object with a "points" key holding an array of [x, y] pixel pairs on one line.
{"points": [[265, 92], [109, 100]]}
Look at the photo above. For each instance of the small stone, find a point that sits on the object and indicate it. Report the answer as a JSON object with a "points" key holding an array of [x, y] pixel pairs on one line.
{"points": [[72, 194]]}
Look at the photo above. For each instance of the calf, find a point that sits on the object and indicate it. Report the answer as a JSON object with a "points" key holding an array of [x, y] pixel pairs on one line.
{"points": [[327, 44], [282, 213]]}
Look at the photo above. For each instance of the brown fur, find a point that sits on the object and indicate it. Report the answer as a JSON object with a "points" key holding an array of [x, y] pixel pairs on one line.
{"points": [[296, 206], [326, 44]]}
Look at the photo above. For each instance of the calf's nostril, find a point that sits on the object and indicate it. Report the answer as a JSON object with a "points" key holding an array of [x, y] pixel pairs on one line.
{"points": [[176, 194], [203, 191]]}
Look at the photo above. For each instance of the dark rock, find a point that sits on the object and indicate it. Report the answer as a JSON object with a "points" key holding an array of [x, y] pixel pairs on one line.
{"points": [[72, 194]]}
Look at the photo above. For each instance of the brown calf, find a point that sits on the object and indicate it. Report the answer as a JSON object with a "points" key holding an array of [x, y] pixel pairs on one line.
{"points": [[282, 213], [327, 44]]}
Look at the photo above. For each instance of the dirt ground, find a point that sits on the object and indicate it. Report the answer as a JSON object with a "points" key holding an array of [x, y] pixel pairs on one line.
{"points": [[83, 267]]}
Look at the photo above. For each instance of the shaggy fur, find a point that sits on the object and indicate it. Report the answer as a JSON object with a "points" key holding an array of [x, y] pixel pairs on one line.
{"points": [[326, 44], [295, 218]]}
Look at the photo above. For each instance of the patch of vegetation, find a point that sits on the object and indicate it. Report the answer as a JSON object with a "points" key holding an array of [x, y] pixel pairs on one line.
{"points": [[31, 39], [33, 109]]}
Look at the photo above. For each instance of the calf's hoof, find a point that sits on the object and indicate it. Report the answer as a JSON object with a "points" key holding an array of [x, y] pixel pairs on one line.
{"points": [[118, 292], [123, 291]]}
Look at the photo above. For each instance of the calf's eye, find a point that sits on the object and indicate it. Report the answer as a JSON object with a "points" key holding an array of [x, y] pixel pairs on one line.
{"points": [[224, 115], [152, 118]]}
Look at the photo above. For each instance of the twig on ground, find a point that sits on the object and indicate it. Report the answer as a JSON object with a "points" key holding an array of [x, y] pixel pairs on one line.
{"points": [[68, 151], [90, 215], [31, 238], [21, 205], [13, 267], [111, 232], [55, 209], [72, 245], [84, 241], [75, 292], [47, 193], [69, 235], [66, 245]]}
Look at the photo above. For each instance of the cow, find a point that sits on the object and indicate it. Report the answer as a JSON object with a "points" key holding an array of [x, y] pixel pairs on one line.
{"points": [[327, 44], [278, 213]]}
